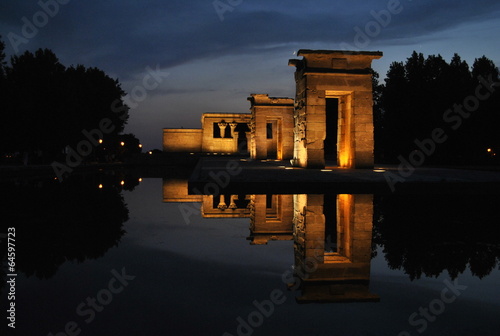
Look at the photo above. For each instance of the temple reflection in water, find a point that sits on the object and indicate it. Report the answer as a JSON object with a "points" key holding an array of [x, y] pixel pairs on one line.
{"points": [[333, 244], [332, 236]]}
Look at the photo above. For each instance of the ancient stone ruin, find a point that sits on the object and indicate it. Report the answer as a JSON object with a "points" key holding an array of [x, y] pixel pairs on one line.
{"points": [[330, 119]]}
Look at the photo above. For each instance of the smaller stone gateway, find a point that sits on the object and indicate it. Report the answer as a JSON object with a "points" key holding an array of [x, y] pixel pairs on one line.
{"points": [[331, 118], [271, 127]]}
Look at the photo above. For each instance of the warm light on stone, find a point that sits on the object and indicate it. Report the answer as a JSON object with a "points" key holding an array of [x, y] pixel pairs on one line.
{"points": [[330, 118], [344, 76]]}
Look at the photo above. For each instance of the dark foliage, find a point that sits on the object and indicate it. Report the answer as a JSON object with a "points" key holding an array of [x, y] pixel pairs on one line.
{"points": [[424, 94], [46, 107]]}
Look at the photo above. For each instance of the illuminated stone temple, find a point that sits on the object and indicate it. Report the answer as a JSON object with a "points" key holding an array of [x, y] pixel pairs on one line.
{"points": [[330, 119]]}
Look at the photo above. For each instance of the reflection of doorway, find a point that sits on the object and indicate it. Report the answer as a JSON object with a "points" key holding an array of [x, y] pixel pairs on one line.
{"points": [[331, 230], [332, 117]]}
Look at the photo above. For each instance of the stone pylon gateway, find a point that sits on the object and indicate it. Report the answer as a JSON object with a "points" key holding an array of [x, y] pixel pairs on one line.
{"points": [[334, 108]]}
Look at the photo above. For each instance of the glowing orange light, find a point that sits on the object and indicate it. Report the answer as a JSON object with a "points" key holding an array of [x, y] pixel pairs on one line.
{"points": [[150, 153], [140, 145], [122, 143], [489, 150], [100, 186], [100, 141], [140, 180], [122, 182]]}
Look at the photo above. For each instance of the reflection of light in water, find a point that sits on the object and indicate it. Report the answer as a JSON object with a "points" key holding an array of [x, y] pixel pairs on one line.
{"points": [[379, 170], [326, 170]]}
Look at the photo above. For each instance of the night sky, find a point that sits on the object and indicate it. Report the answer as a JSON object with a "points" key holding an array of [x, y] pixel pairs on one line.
{"points": [[216, 57]]}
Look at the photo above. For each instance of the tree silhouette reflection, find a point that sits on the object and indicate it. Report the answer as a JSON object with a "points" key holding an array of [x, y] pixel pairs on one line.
{"points": [[427, 235], [76, 220]]}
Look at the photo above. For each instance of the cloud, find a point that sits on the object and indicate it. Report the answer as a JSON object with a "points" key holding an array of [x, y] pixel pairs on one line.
{"points": [[125, 36]]}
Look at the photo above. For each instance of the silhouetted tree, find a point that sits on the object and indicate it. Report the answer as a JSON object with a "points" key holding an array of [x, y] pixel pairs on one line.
{"points": [[415, 99], [35, 103], [378, 117], [3, 126], [2, 58], [48, 106]]}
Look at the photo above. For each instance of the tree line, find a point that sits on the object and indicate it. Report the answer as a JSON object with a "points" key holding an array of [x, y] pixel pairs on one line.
{"points": [[422, 95], [46, 109]]}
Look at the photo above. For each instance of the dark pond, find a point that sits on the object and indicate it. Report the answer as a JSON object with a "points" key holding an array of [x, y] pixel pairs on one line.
{"points": [[117, 254]]}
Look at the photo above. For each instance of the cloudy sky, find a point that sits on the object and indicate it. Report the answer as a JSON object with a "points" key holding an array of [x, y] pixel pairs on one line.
{"points": [[218, 52]]}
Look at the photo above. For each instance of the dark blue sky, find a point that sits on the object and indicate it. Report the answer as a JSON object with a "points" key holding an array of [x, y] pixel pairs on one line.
{"points": [[216, 58]]}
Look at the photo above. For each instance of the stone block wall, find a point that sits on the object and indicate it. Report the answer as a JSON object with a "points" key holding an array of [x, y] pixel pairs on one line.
{"points": [[227, 123], [182, 140]]}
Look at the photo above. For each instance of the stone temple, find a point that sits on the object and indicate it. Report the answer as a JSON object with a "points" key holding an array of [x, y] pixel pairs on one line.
{"points": [[330, 118]]}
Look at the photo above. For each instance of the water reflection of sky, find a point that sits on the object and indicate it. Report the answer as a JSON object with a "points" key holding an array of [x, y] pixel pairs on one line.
{"points": [[197, 279]]}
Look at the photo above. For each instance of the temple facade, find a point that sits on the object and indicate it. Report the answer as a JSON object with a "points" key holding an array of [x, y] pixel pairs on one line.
{"points": [[330, 118]]}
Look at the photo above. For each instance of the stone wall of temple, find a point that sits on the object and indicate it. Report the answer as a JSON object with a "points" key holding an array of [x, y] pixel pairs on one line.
{"points": [[182, 140], [221, 132]]}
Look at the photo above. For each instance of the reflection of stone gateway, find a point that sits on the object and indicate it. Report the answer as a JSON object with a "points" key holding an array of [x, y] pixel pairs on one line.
{"points": [[331, 117], [341, 274], [332, 236]]}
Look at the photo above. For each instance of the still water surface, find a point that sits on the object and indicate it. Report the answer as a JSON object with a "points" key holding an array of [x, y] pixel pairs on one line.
{"points": [[144, 258]]}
